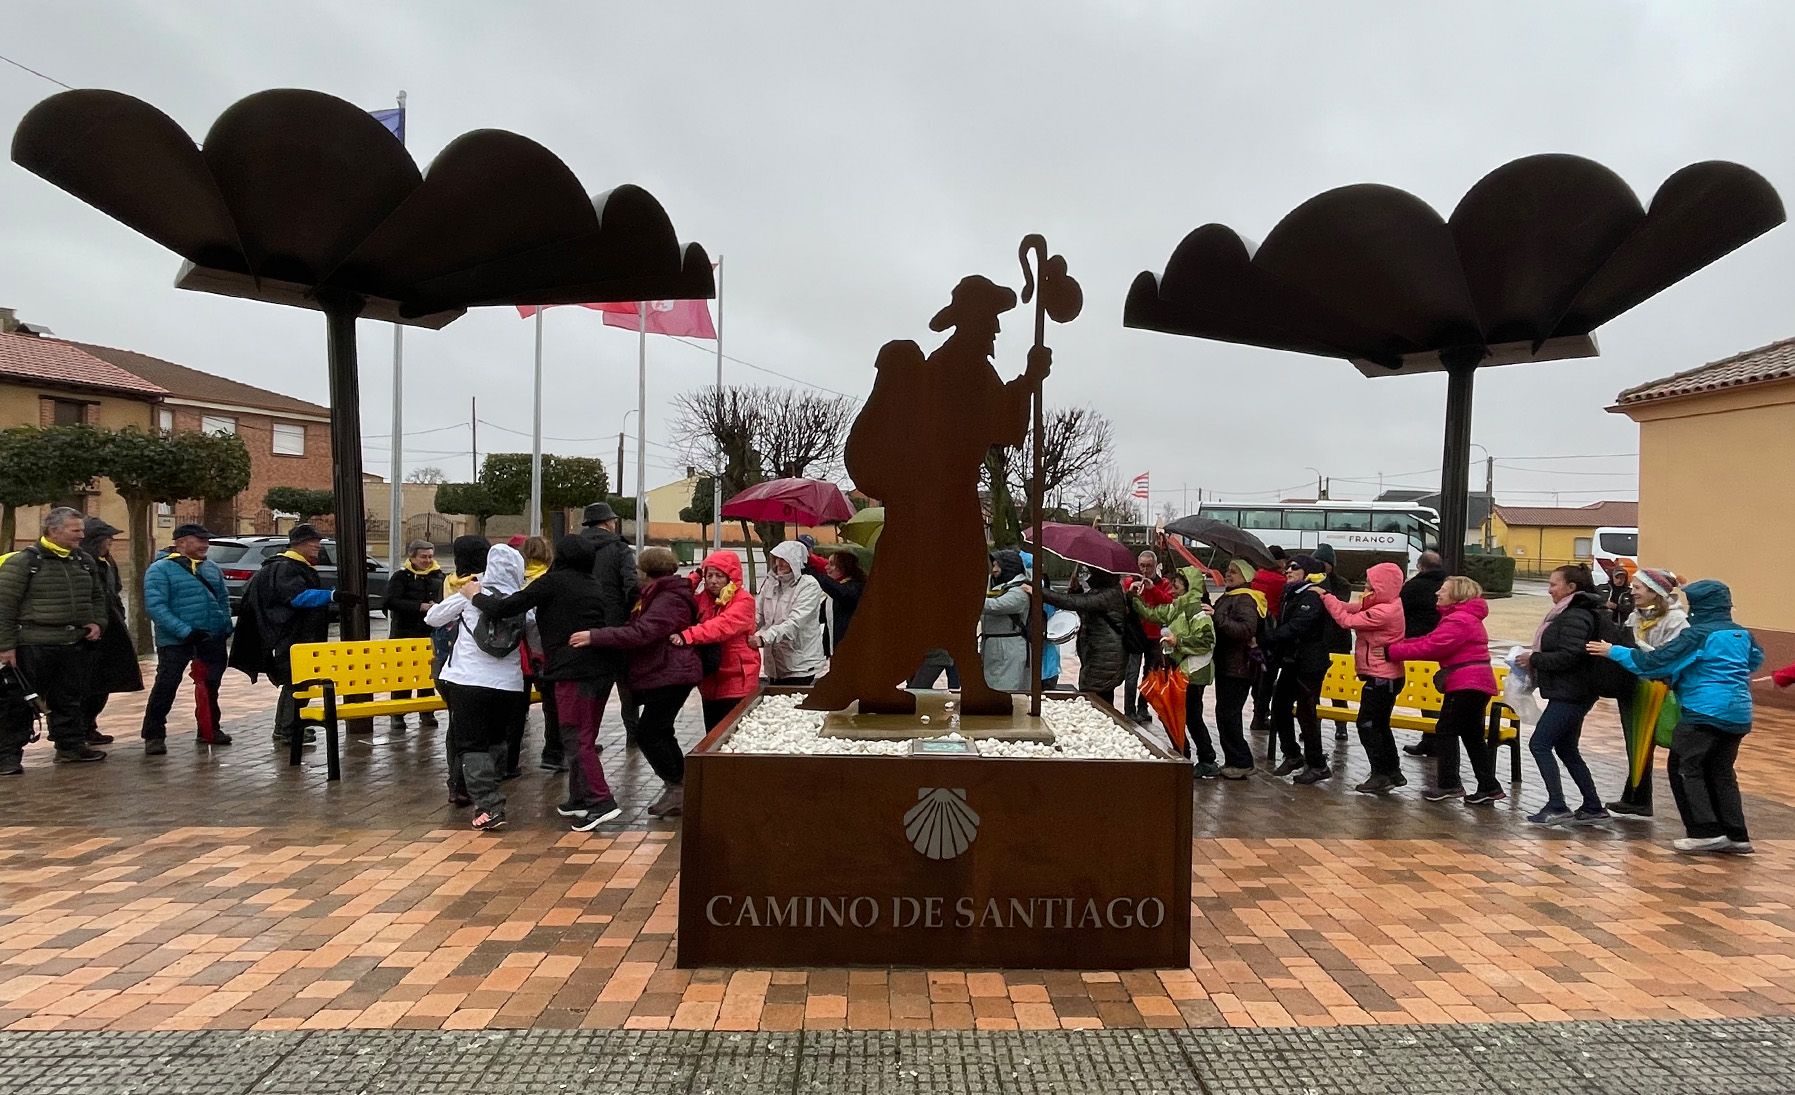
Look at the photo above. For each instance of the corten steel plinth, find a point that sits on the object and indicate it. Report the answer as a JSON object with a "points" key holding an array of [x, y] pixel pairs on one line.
{"points": [[303, 199], [934, 860], [1535, 257]]}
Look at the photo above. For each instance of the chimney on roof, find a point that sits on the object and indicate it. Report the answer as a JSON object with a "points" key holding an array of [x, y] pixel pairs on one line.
{"points": [[9, 320]]}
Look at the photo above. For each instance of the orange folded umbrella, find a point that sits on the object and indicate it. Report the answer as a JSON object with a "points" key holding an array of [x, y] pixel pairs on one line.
{"points": [[1164, 690]]}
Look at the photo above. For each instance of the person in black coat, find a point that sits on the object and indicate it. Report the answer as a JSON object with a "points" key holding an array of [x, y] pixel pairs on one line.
{"points": [[284, 604], [410, 592], [844, 583], [1302, 645], [1102, 614], [114, 664], [1420, 615], [614, 567], [1564, 671]]}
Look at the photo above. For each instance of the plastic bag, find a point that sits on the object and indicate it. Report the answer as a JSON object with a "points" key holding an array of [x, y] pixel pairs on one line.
{"points": [[1517, 690]]}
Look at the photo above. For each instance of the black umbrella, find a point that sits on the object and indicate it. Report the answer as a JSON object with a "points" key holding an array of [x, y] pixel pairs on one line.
{"points": [[1223, 537]]}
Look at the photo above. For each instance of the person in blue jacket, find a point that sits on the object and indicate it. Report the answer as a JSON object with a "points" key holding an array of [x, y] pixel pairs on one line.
{"points": [[1050, 653], [1709, 668], [184, 594]]}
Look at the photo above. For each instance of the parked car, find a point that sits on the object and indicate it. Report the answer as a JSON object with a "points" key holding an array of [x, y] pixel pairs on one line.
{"points": [[240, 557]]}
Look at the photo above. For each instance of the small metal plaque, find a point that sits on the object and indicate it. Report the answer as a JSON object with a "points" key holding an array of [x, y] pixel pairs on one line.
{"points": [[942, 747]]}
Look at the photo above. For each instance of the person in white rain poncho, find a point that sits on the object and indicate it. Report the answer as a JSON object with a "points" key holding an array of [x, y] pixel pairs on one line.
{"points": [[482, 682], [788, 634]]}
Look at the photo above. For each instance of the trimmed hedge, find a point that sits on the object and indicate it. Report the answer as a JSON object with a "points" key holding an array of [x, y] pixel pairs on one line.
{"points": [[1495, 573]]}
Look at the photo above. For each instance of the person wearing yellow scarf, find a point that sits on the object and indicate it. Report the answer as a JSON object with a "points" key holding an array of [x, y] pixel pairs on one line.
{"points": [[412, 590], [1240, 614]]}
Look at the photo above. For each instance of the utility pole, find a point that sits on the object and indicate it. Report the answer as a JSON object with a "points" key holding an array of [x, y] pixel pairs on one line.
{"points": [[1489, 490], [473, 422], [619, 489]]}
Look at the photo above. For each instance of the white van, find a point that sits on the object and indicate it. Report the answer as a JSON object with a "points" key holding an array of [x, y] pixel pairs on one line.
{"points": [[1609, 544]]}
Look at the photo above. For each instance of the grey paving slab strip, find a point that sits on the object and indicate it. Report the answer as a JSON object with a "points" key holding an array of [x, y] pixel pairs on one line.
{"points": [[1698, 1057]]}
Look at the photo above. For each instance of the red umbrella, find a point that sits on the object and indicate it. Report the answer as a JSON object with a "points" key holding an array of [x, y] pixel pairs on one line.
{"points": [[790, 501], [1085, 544]]}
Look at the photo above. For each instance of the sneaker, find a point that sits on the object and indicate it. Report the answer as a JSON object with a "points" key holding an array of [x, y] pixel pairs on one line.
{"points": [[1288, 765], [1695, 845], [1419, 749], [1376, 785], [1441, 794], [1398, 779], [12, 764], [1629, 809], [460, 798], [1208, 771], [486, 822], [1586, 816], [1313, 775], [569, 809], [672, 802], [602, 811], [94, 737], [1549, 816], [219, 737], [427, 721], [398, 723], [1738, 847], [155, 747], [1484, 798], [1236, 773], [80, 754]]}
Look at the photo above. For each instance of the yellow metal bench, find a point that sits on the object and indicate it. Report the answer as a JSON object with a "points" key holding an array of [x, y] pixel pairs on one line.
{"points": [[353, 681], [1342, 686]]}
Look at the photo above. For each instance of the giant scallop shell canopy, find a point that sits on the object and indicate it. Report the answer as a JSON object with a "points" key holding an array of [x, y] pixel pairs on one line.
{"points": [[296, 196], [1536, 256]]}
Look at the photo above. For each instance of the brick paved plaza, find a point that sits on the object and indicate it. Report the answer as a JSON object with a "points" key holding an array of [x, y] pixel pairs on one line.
{"points": [[242, 914]]}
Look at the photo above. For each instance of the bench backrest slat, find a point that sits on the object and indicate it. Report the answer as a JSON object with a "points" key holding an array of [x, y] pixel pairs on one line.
{"points": [[1418, 691], [378, 665]]}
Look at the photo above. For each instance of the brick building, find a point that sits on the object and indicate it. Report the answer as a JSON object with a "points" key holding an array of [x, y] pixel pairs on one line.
{"points": [[50, 381], [288, 439]]}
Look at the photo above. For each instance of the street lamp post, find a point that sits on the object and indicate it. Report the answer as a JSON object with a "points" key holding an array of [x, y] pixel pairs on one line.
{"points": [[1489, 490]]}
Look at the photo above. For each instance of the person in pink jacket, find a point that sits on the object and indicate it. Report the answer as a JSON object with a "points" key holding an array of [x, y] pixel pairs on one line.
{"points": [[1377, 618], [1462, 648], [725, 617]]}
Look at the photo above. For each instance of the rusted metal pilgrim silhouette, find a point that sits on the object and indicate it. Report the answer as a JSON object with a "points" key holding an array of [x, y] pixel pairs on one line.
{"points": [[917, 446]]}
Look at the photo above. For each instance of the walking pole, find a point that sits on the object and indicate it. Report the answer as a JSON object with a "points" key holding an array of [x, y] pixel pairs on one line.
{"points": [[1058, 295]]}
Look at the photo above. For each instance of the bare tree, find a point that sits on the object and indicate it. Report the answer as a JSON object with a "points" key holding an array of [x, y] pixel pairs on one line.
{"points": [[1076, 450], [1112, 500], [431, 475], [751, 434]]}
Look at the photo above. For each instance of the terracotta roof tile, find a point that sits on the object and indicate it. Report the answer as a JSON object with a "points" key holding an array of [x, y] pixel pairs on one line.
{"points": [[1773, 362], [1598, 514], [184, 383], [56, 363]]}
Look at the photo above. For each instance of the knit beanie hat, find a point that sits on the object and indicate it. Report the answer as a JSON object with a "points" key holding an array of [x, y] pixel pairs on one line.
{"points": [[1309, 563], [1661, 582], [1242, 568], [1324, 553]]}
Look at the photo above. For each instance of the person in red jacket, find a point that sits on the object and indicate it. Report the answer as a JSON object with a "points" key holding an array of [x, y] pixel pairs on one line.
{"points": [[725, 617], [1785, 676], [1155, 591], [1270, 583], [1462, 647]]}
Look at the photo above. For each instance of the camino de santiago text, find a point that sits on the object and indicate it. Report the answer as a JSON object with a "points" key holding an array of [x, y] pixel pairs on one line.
{"points": [[1050, 913]]}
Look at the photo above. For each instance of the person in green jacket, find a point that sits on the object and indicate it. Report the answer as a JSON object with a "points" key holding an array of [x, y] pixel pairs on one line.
{"points": [[1187, 638], [52, 606]]}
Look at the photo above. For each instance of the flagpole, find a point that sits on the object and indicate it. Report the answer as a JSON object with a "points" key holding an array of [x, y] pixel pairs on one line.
{"points": [[717, 473], [641, 421], [535, 518], [395, 510]]}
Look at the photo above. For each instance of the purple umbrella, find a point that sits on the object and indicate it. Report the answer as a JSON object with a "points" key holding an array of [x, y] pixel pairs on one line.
{"points": [[1085, 544]]}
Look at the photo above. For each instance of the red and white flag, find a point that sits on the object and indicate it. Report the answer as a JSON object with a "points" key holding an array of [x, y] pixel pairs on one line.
{"points": [[688, 318], [1140, 486]]}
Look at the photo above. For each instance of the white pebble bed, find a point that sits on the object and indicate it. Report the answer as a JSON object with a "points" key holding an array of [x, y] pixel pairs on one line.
{"points": [[1081, 732]]}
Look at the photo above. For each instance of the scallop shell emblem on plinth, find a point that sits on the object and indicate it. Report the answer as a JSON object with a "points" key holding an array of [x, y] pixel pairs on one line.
{"points": [[941, 825]]}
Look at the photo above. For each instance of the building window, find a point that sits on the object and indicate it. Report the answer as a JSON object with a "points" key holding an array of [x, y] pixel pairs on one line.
{"points": [[1580, 548], [289, 440], [165, 419], [216, 423], [67, 412]]}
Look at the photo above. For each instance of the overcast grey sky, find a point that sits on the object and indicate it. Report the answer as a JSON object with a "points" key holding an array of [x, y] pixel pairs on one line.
{"points": [[852, 162]]}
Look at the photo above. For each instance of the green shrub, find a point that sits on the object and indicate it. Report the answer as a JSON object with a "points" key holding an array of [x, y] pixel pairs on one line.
{"points": [[1495, 573]]}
